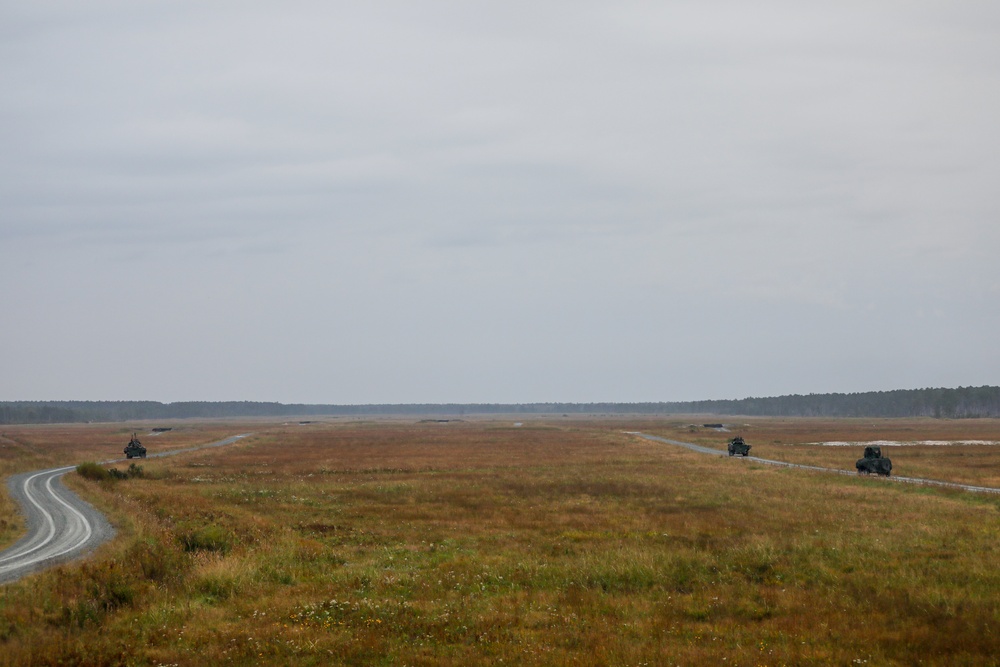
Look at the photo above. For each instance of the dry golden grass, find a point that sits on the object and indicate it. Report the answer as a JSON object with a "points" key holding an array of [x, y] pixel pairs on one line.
{"points": [[563, 541]]}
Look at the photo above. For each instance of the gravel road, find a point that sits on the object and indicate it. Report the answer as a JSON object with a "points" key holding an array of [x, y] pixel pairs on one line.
{"points": [[61, 525], [785, 464]]}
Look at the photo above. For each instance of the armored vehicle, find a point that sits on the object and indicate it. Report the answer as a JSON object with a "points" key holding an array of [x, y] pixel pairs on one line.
{"points": [[738, 446], [874, 462], [134, 449]]}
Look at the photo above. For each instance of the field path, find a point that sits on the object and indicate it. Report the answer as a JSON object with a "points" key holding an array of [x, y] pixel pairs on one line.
{"points": [[61, 525], [801, 466]]}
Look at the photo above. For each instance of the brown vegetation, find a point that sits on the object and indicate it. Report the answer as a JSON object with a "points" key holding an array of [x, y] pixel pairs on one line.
{"points": [[558, 542]]}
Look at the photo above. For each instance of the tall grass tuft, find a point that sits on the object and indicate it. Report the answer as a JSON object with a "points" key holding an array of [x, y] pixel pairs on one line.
{"points": [[93, 471]]}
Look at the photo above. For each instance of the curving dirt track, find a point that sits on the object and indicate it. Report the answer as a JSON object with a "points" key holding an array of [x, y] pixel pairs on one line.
{"points": [[61, 525]]}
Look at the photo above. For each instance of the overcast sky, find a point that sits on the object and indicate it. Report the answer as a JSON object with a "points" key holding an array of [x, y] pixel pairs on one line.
{"points": [[391, 202]]}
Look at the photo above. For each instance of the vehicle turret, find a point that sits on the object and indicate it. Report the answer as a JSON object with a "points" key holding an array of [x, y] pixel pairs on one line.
{"points": [[738, 446], [874, 462], [134, 449]]}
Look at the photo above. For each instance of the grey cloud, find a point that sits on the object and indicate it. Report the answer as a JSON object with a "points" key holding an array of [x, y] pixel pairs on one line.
{"points": [[471, 201]]}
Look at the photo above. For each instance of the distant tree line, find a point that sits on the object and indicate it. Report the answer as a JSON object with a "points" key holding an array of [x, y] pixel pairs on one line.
{"points": [[964, 402]]}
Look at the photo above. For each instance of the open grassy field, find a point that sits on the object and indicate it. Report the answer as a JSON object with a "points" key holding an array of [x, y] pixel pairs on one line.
{"points": [[558, 542]]}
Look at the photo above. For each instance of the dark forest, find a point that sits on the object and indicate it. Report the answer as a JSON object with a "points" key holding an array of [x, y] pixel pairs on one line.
{"points": [[963, 402]]}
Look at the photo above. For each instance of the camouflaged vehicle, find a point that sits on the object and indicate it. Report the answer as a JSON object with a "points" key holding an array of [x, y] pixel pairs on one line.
{"points": [[134, 449], [738, 446], [873, 462]]}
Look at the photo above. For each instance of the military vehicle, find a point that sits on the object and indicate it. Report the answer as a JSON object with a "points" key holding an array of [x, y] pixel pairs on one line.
{"points": [[738, 446], [874, 462], [134, 449]]}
